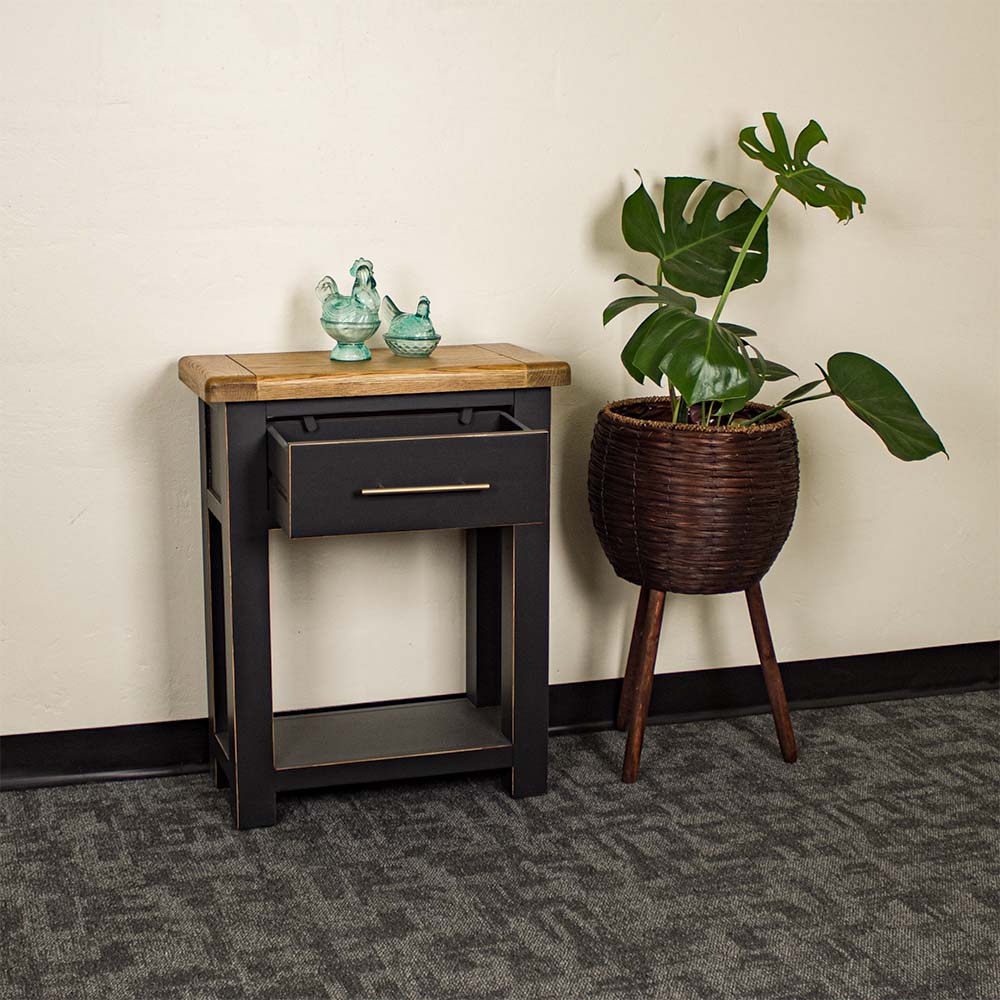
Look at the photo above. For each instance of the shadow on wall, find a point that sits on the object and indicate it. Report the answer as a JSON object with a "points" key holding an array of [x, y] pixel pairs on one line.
{"points": [[574, 412], [165, 426], [595, 383]]}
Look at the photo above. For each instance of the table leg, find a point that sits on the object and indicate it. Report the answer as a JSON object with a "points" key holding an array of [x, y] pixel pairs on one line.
{"points": [[248, 615], [524, 651]]}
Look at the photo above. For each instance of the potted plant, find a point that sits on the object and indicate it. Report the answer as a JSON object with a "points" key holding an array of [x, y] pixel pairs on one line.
{"points": [[694, 491]]}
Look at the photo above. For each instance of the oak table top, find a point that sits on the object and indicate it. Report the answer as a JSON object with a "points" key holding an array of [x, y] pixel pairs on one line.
{"points": [[236, 378]]}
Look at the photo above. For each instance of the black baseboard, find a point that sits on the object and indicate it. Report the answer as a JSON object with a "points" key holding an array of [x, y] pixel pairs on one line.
{"points": [[156, 749], [110, 753], [839, 680]]}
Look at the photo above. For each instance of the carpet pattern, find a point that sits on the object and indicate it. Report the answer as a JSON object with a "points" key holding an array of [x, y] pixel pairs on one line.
{"points": [[867, 871]]}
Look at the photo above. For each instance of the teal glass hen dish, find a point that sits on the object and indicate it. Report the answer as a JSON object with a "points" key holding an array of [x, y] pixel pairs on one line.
{"points": [[351, 319], [410, 335]]}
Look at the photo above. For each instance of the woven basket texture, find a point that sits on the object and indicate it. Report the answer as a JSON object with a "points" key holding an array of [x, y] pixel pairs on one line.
{"points": [[691, 509]]}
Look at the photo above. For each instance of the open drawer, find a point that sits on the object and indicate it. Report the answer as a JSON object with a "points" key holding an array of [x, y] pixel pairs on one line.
{"points": [[405, 472]]}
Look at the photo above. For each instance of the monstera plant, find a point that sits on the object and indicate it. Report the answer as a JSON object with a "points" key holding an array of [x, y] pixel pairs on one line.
{"points": [[713, 369], [695, 491]]}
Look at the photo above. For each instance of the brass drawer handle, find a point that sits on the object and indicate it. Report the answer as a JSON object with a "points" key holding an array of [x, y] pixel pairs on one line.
{"points": [[381, 491]]}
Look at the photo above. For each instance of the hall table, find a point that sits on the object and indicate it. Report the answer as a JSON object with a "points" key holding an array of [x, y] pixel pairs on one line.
{"points": [[314, 447]]}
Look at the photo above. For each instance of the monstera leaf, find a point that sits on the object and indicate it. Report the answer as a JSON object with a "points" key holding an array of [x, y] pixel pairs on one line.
{"points": [[631, 349], [874, 394], [754, 382], [769, 371], [795, 174], [800, 390], [706, 362], [696, 256], [702, 360], [738, 331], [663, 296]]}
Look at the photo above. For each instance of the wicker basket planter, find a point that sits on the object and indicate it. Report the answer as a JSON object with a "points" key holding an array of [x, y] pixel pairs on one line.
{"points": [[688, 509]]}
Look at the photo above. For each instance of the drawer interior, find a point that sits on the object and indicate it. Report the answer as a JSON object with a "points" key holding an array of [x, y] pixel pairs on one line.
{"points": [[296, 430]]}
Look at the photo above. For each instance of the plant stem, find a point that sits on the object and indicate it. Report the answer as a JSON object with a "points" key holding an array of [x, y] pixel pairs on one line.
{"points": [[783, 406], [758, 222], [804, 399], [670, 387]]}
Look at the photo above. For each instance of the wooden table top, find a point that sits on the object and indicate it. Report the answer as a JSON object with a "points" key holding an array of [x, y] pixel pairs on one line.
{"points": [[236, 378]]}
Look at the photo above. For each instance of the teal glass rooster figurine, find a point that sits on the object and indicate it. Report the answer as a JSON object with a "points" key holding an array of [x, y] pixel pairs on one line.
{"points": [[351, 319], [411, 336]]}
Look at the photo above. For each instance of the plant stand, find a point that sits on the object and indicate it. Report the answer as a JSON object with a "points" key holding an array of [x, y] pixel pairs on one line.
{"points": [[633, 708]]}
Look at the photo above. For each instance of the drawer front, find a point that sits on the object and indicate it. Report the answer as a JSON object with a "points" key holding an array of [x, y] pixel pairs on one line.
{"points": [[407, 484]]}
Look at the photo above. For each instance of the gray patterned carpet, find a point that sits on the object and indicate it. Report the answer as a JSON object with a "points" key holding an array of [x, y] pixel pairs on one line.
{"points": [[867, 870]]}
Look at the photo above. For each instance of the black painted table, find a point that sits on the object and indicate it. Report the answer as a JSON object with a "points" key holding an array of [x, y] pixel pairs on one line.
{"points": [[296, 442]]}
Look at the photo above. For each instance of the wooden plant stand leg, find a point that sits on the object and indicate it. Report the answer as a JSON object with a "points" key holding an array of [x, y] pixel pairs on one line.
{"points": [[643, 685], [772, 675], [632, 664]]}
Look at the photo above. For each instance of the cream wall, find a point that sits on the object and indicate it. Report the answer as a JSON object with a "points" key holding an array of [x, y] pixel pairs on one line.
{"points": [[176, 176]]}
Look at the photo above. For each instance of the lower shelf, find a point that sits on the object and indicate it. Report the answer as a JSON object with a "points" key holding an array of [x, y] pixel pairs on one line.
{"points": [[444, 736]]}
